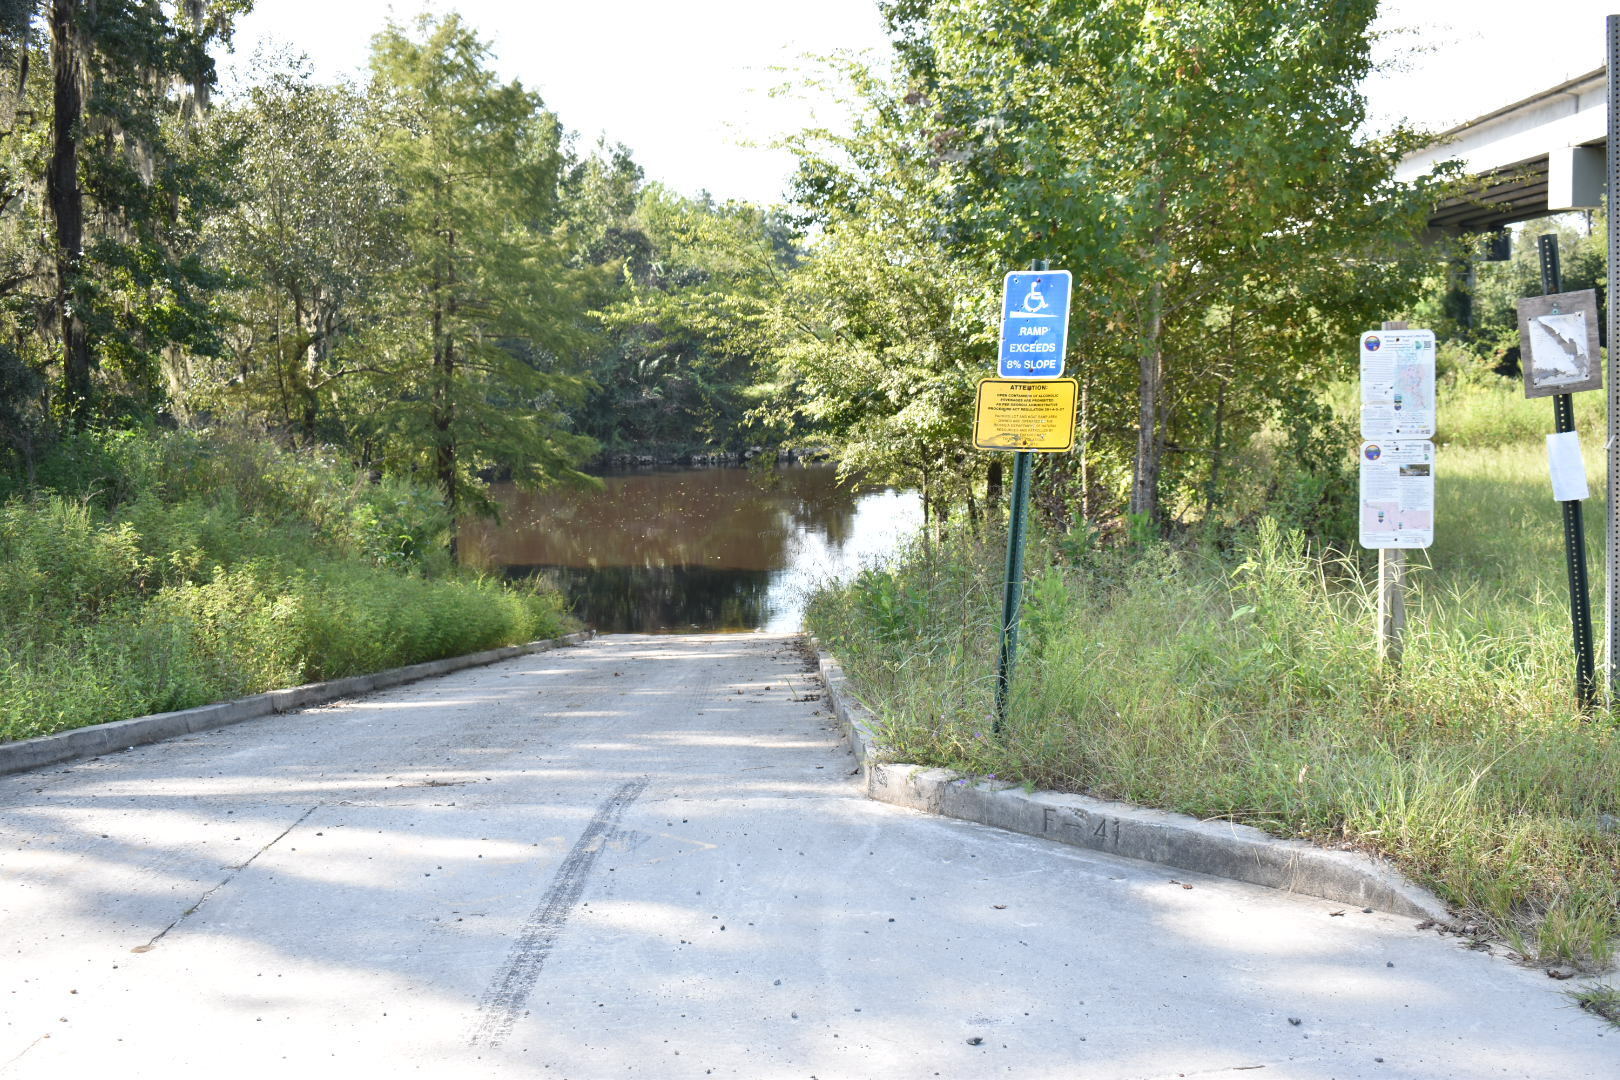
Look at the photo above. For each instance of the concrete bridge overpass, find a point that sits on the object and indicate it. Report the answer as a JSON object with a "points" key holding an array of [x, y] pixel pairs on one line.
{"points": [[1542, 155]]}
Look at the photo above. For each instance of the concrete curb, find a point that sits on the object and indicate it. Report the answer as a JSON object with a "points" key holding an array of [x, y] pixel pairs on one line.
{"points": [[1219, 848], [87, 742]]}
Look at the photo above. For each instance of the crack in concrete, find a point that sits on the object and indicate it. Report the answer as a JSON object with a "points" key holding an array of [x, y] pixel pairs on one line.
{"points": [[22, 1053], [226, 880]]}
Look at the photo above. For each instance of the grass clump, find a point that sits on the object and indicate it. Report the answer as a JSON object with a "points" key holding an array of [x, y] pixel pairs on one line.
{"points": [[1602, 1000], [1245, 686], [166, 570]]}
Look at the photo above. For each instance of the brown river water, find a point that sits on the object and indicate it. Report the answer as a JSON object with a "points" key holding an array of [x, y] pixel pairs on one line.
{"points": [[676, 550]]}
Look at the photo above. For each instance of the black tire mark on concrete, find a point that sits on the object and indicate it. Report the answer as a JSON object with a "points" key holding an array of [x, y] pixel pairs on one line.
{"points": [[503, 1001]]}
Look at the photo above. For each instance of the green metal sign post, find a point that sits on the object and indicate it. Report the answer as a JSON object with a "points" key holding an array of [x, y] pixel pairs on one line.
{"points": [[1026, 301], [1012, 594], [1611, 156]]}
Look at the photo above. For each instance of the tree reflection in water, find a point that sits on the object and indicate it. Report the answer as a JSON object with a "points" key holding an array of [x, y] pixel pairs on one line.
{"points": [[683, 549], [645, 599]]}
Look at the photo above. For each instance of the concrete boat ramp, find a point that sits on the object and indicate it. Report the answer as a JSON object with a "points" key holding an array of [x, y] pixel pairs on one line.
{"points": [[647, 856]]}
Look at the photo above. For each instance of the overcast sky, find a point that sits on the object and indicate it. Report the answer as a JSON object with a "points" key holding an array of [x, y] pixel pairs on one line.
{"points": [[685, 83]]}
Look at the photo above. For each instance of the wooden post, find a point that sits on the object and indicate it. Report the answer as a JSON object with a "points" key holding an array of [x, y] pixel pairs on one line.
{"points": [[1391, 605], [1391, 590]]}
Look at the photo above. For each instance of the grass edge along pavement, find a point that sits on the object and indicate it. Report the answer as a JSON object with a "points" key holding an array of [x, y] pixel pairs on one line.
{"points": [[1220, 849], [1217, 848], [149, 571], [94, 740], [1238, 682]]}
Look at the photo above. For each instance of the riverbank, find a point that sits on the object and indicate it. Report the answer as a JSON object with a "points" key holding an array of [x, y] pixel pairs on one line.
{"points": [[1244, 685], [655, 457], [154, 571]]}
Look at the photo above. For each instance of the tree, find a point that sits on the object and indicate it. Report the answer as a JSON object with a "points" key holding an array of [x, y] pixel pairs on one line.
{"points": [[887, 324], [689, 318], [1493, 319], [125, 204], [880, 348], [27, 284], [480, 346], [310, 243], [1197, 165]]}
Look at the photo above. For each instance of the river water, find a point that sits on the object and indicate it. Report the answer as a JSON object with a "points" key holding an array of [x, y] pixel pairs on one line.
{"points": [[676, 550]]}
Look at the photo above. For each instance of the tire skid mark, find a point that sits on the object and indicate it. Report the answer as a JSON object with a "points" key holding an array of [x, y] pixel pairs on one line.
{"points": [[506, 995]]}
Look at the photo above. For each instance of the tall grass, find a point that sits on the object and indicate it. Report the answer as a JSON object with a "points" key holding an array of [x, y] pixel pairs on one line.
{"points": [[168, 570], [1248, 689]]}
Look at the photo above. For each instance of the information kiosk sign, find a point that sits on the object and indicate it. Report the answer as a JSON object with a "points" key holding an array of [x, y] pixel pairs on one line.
{"points": [[1559, 338], [1034, 323], [1397, 494], [1397, 385]]}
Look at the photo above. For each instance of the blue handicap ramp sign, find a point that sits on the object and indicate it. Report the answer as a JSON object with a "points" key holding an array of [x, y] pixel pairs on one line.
{"points": [[1034, 323]]}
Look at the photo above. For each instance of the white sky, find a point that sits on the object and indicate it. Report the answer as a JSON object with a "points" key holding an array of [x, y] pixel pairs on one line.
{"points": [[1453, 60], [684, 83]]}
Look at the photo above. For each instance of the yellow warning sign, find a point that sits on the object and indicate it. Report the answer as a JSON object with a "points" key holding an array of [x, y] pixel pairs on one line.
{"points": [[1025, 414]]}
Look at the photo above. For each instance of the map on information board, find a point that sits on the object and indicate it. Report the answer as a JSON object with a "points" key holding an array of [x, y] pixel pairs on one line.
{"points": [[1397, 384], [1397, 494]]}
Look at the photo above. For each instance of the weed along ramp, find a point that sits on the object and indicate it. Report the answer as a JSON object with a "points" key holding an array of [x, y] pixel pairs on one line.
{"points": [[1217, 848]]}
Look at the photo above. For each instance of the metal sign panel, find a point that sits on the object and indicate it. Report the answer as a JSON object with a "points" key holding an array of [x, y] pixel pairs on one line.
{"points": [[1397, 494], [1397, 385], [1025, 414], [1034, 323], [1558, 339]]}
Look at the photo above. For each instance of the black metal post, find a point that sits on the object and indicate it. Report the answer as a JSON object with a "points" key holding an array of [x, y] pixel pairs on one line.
{"points": [[1580, 602]]}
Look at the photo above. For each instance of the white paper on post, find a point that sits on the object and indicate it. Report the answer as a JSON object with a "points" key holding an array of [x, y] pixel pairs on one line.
{"points": [[1568, 470]]}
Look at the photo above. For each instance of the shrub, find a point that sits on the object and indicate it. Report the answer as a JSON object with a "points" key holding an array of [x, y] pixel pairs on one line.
{"points": [[1250, 691], [174, 569]]}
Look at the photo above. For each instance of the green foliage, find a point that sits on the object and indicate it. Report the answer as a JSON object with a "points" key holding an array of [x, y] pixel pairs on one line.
{"points": [[61, 563], [170, 570], [418, 270], [148, 187], [886, 325], [480, 356], [22, 423], [1198, 167], [880, 357], [689, 311], [308, 246], [1247, 688], [888, 605], [1499, 286]]}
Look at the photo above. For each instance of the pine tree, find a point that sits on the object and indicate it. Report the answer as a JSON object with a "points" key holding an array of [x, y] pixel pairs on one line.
{"points": [[490, 316]]}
